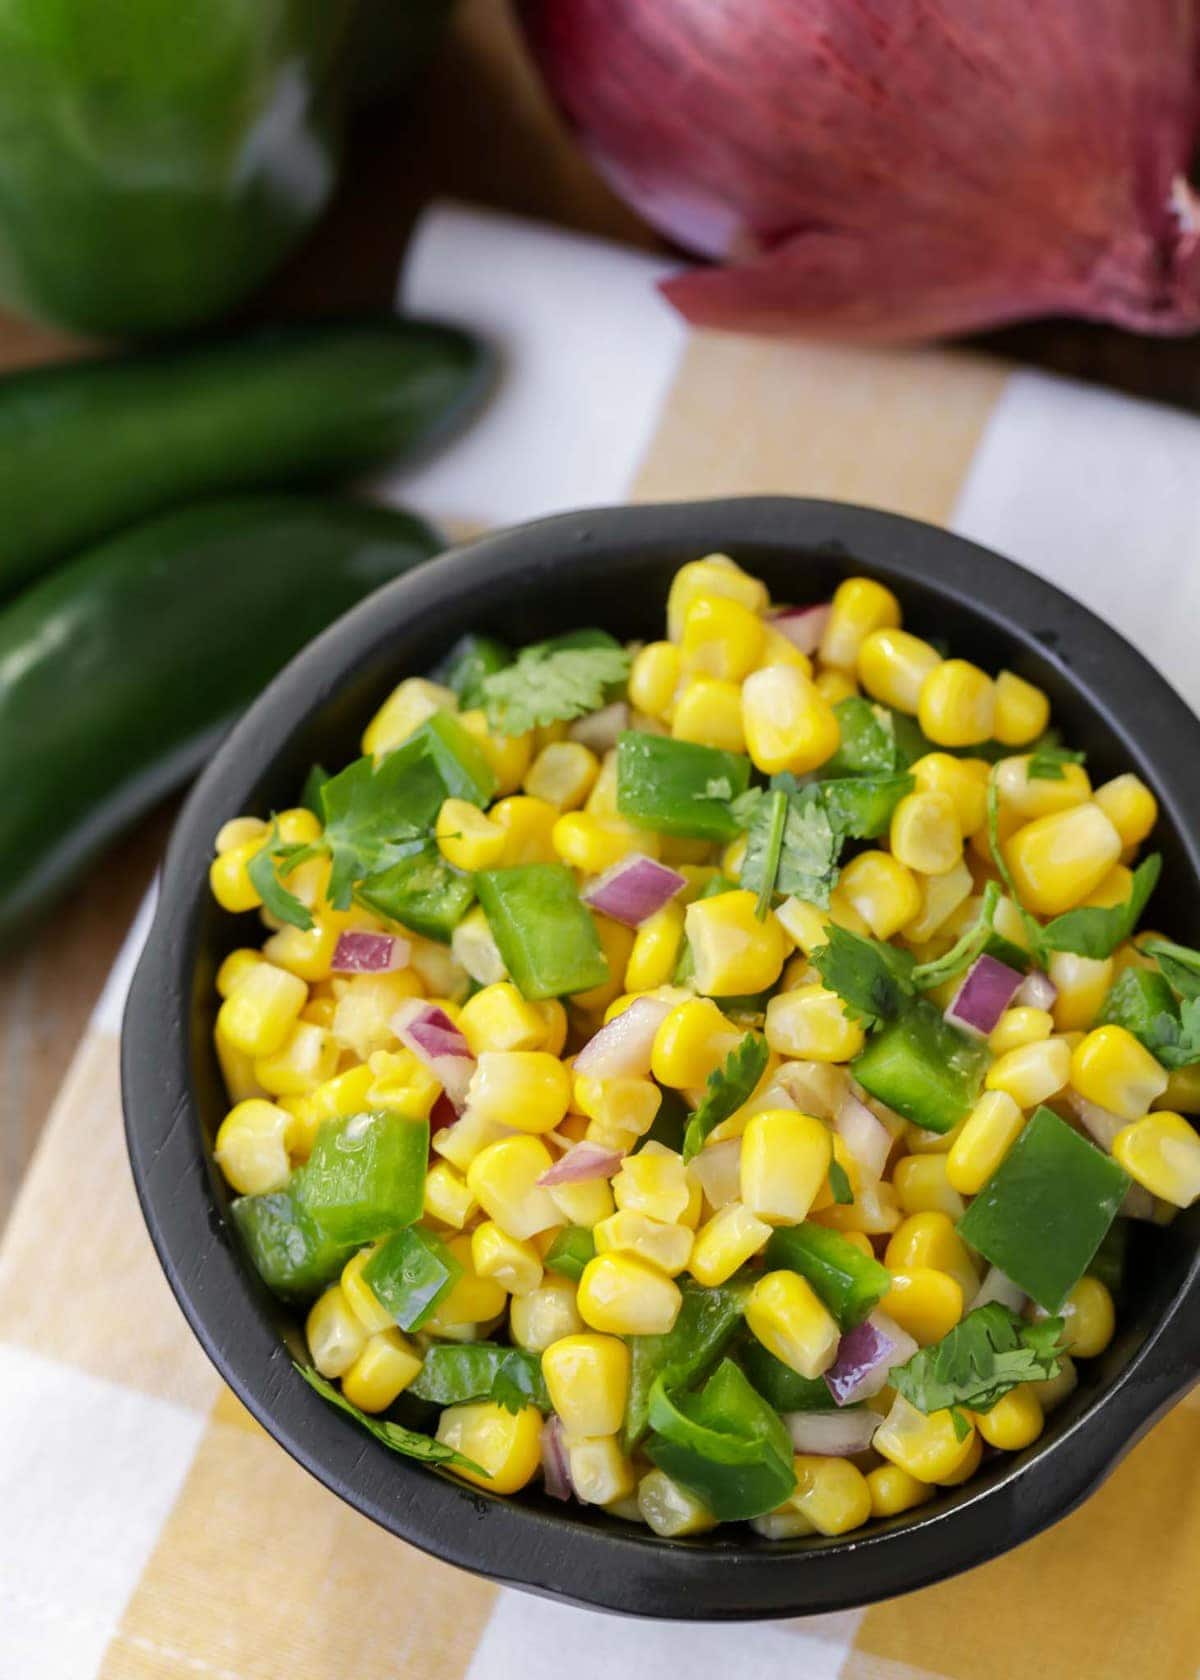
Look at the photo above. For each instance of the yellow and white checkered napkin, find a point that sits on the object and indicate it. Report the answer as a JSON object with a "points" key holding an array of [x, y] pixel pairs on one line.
{"points": [[149, 1530]]}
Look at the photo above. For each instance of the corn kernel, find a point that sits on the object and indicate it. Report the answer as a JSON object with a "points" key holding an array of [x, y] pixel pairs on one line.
{"points": [[831, 1492], [499, 1018], [925, 834], [475, 949], [670, 1510], [251, 1147], [305, 952], [941, 896], [335, 1334], [616, 945], [709, 711], [929, 1239], [241, 831], [666, 1246], [583, 1204], [654, 677], [785, 1157], [405, 709], [366, 1007], [653, 1182], [545, 1315], [562, 775], [508, 756], [594, 844], [927, 1447], [503, 1178], [1111, 1068], [602, 801], [626, 1296], [528, 1089], [1056, 861], [305, 1059], [1089, 1319], [926, 1303], [383, 1370], [716, 574], [1014, 1422], [655, 952], [235, 969], [473, 1299], [735, 953], [1181, 1095], [229, 881], [1033, 1073], [1114, 889], [621, 1105], [528, 826], [1130, 806], [1162, 1153], [692, 1042], [468, 838], [721, 638], [859, 606], [344, 1094], [1022, 798], [923, 1186], [588, 1380], [1020, 1025], [792, 1322], [893, 667], [873, 1211], [1082, 985], [811, 1024], [787, 723], [400, 1080], [893, 1491], [987, 1135], [834, 685], [778, 649], [883, 892], [601, 1474], [1022, 711], [725, 1243], [787, 1523], [515, 1265], [361, 1298], [507, 1446], [957, 705]]}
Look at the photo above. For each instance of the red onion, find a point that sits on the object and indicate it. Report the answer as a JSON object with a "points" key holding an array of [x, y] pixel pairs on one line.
{"points": [[556, 1466], [1101, 1124], [832, 1434], [986, 991], [432, 1036], [718, 1167], [1036, 991], [581, 1162], [443, 1113], [803, 626], [865, 1356], [634, 890], [865, 1136], [623, 1047], [898, 171], [358, 952], [998, 1286], [599, 730]]}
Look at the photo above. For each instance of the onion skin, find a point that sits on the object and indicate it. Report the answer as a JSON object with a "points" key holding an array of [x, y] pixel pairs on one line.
{"points": [[898, 169]]}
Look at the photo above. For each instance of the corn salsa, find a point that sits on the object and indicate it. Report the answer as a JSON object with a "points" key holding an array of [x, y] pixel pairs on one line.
{"points": [[714, 1078]]}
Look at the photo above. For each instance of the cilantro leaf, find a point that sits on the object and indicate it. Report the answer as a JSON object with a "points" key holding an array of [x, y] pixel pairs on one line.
{"points": [[1094, 932], [410, 1442], [873, 979], [1143, 1003], [961, 955], [310, 798], [1033, 927], [728, 1087], [367, 829], [861, 807], [269, 863], [988, 1353], [793, 854], [839, 1183], [1179, 964], [1046, 762], [764, 849], [744, 808], [550, 682]]}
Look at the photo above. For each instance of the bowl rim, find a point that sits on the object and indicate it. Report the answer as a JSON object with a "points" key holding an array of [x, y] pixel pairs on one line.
{"points": [[618, 1567]]}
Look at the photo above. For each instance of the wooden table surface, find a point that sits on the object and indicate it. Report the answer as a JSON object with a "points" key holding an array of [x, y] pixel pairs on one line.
{"points": [[479, 128]]}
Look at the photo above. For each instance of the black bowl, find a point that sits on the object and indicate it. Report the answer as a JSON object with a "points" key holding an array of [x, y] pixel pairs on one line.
{"points": [[612, 567]]}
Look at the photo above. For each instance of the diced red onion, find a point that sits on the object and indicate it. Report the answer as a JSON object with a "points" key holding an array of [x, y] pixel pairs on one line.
{"points": [[599, 730], [580, 1163], [718, 1166], [634, 889], [997, 1286], [360, 952], [556, 1466], [622, 1048], [803, 626], [443, 1113], [1101, 1124], [865, 1356], [1036, 991], [433, 1038], [832, 1434], [865, 1136], [987, 990]]}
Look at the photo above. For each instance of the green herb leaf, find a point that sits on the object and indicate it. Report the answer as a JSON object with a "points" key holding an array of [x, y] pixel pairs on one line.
{"points": [[979, 1361], [454, 1373], [1094, 932], [1033, 927], [961, 955], [728, 1087], [310, 798], [550, 682], [874, 980], [1179, 964], [410, 1442], [801, 857], [366, 830], [839, 1183], [1143, 1003], [265, 868], [860, 807], [764, 849], [1046, 763]]}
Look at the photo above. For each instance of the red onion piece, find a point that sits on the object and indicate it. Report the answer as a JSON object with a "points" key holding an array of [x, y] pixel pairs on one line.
{"points": [[865, 1136], [622, 1048], [832, 1434], [803, 626], [1036, 991], [986, 991], [1101, 1124], [359, 952], [865, 1356], [580, 1163], [633, 890], [998, 1286], [432, 1036], [599, 730], [556, 1466]]}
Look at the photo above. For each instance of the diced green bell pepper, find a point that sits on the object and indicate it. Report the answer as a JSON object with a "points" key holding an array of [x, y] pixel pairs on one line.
{"points": [[781, 1387], [542, 929], [725, 1444], [570, 1252], [422, 892], [457, 758], [1042, 1214], [288, 1252], [410, 1274], [706, 1324], [1108, 1262], [868, 745], [861, 807], [455, 1372], [679, 787], [469, 661], [848, 1282], [365, 1176], [923, 1067]]}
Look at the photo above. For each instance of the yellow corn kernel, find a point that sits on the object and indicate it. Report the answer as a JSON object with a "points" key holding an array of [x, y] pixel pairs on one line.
{"points": [[383, 1370], [692, 1042], [335, 1334], [792, 1322], [1022, 798], [666, 1246], [987, 1135], [602, 801], [710, 711], [883, 892], [654, 677], [366, 1006], [588, 1380], [733, 857], [655, 950], [964, 781], [528, 1089], [873, 1211], [957, 705], [499, 1018], [616, 944], [805, 925], [251, 1147], [929, 1239], [831, 1493], [1054, 1390], [734, 952], [1182, 1093], [506, 1445], [473, 1298], [620, 1104], [968, 1467], [721, 638], [1033, 1073], [922, 1186], [400, 1080], [1082, 984], [508, 756], [811, 1024], [235, 969], [893, 1491], [345, 1093], [229, 881], [361, 1298], [941, 897], [1162, 1153], [307, 1057], [405, 709], [925, 834], [260, 1012], [1114, 889], [594, 844], [447, 1197], [528, 828], [545, 1315], [625, 1296], [305, 952], [1110, 1067], [778, 649], [475, 949], [601, 1474], [678, 850], [562, 775], [785, 1157], [834, 685], [1014, 1422], [1056, 861], [859, 607], [788, 724], [468, 838], [320, 1011], [653, 1182], [670, 1510], [553, 1017], [503, 1178], [926, 1446], [1022, 711], [725, 1243], [515, 1265], [1129, 805], [583, 1204], [716, 574], [893, 667], [468, 1137], [443, 978], [1017, 1026], [241, 831], [926, 1303], [1089, 1319]]}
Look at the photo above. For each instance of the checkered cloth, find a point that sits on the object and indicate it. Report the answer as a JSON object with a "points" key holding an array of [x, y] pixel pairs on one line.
{"points": [[149, 1529]]}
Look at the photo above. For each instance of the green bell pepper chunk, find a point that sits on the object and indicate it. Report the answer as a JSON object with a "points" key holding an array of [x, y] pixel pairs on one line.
{"points": [[289, 1253], [570, 1252], [542, 929], [1042, 1214], [422, 892], [1108, 1262], [469, 661], [455, 1372], [458, 764], [679, 787], [923, 1067], [707, 1321], [861, 806], [365, 1176], [868, 745], [781, 1387], [410, 1274], [847, 1281], [725, 1444]]}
